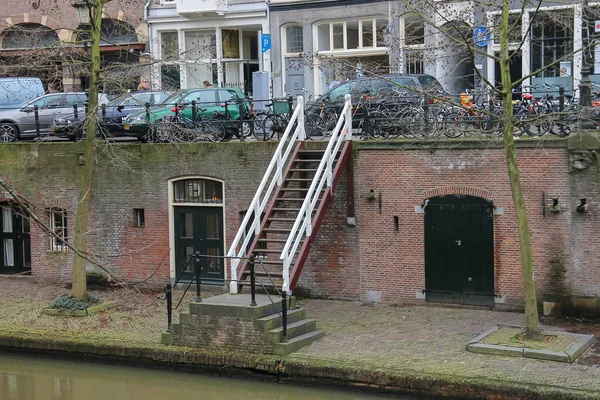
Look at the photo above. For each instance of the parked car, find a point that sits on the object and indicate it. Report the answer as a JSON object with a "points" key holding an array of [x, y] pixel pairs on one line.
{"points": [[111, 119], [21, 123], [413, 88], [208, 100], [14, 92]]}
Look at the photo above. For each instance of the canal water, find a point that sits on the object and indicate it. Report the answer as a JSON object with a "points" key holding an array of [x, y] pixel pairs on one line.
{"points": [[36, 378]]}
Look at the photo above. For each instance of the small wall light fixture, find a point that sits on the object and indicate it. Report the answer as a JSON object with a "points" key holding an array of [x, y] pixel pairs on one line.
{"points": [[371, 195], [582, 206], [555, 206]]}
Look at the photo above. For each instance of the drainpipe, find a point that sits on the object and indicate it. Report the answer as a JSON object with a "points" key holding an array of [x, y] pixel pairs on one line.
{"points": [[146, 6], [146, 10]]}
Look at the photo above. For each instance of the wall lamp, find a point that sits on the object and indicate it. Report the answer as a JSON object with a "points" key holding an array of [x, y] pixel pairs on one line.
{"points": [[582, 206]]}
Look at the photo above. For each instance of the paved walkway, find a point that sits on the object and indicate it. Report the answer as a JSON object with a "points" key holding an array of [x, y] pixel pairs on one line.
{"points": [[420, 339]]}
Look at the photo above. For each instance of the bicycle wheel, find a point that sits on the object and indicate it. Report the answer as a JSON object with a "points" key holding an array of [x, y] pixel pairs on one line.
{"points": [[371, 126], [214, 131], [260, 130], [538, 124], [447, 120], [275, 125], [313, 126], [330, 120]]}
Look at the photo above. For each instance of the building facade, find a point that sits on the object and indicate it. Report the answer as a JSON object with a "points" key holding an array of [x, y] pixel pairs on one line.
{"points": [[44, 39], [144, 225], [214, 41]]}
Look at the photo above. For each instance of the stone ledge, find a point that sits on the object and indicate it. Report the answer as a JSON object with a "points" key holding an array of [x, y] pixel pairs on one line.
{"points": [[327, 372], [569, 354], [80, 313]]}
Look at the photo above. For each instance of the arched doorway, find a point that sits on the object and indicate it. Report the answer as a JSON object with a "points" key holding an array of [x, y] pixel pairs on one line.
{"points": [[197, 225], [459, 250]]}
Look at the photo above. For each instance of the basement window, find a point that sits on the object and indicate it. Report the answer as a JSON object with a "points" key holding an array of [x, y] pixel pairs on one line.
{"points": [[58, 226], [139, 220]]}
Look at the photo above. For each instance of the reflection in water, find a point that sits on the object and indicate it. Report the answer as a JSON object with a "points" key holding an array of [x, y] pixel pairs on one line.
{"points": [[24, 378]]}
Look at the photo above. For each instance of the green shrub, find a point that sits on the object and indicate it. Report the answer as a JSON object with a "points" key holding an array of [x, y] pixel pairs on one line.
{"points": [[71, 303]]}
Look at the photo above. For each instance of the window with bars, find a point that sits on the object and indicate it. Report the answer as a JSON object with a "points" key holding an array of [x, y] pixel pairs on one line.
{"points": [[551, 40], [197, 191], [294, 40], [58, 226], [413, 44]]}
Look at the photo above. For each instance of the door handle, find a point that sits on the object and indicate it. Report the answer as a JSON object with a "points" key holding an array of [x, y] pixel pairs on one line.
{"points": [[458, 242]]}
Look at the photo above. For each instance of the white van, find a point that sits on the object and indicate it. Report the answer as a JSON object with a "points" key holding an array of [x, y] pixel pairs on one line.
{"points": [[14, 92]]}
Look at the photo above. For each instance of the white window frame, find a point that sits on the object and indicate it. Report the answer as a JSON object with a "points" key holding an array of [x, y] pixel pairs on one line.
{"points": [[55, 243], [284, 40], [413, 48], [345, 49]]}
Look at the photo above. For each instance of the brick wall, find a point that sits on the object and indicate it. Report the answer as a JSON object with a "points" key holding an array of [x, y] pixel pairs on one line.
{"points": [[346, 262]]}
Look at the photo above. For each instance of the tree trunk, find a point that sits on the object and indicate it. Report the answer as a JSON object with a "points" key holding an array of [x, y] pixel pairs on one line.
{"points": [[532, 330], [79, 289]]}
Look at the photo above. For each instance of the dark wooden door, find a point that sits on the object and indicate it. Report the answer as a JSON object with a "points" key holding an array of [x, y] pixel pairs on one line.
{"points": [[459, 250], [15, 245], [199, 229]]}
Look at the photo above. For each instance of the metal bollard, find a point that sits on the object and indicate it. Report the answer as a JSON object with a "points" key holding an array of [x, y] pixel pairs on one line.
{"points": [[75, 111], [169, 297], [103, 112], [561, 99], [240, 120], [36, 115], [284, 316], [147, 107], [194, 113], [176, 110], [252, 281], [197, 267]]}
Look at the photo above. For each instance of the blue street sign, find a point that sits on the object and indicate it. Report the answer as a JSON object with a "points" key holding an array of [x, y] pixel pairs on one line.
{"points": [[266, 42], [481, 36]]}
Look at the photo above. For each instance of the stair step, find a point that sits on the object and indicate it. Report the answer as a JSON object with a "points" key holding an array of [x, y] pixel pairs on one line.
{"points": [[274, 241], [298, 342], [275, 230], [303, 170], [278, 219], [299, 179], [285, 209], [278, 275], [291, 198], [257, 250], [307, 160], [274, 320], [294, 329], [305, 151], [294, 189], [272, 262]]}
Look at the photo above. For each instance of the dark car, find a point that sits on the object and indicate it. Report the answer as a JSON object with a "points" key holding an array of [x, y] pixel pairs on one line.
{"points": [[209, 101], [111, 118], [411, 88]]}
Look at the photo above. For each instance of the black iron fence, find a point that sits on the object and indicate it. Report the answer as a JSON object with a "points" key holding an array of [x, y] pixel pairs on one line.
{"points": [[197, 280]]}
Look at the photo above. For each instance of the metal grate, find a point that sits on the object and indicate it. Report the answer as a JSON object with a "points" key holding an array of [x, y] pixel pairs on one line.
{"points": [[198, 191]]}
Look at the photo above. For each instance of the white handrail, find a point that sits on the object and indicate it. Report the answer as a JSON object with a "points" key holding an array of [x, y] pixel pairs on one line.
{"points": [[258, 205], [303, 224]]}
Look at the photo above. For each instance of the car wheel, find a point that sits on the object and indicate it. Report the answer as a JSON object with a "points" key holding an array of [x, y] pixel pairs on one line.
{"points": [[8, 132]]}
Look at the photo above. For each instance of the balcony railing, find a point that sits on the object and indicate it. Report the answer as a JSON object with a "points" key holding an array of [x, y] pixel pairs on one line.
{"points": [[185, 7]]}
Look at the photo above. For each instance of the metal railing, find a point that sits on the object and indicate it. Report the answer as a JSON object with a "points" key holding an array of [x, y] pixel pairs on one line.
{"points": [[168, 290], [324, 175], [272, 177]]}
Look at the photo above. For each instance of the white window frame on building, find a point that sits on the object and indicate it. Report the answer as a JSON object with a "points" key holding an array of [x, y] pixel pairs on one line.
{"points": [[292, 61], [408, 50], [527, 49], [59, 226], [327, 44]]}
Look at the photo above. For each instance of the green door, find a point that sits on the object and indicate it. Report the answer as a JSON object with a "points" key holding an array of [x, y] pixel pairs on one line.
{"points": [[15, 246], [459, 250], [199, 229]]}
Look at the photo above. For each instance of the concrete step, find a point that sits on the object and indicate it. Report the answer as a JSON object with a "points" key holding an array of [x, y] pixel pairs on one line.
{"points": [[238, 305], [297, 343], [184, 318], [294, 329], [274, 320]]}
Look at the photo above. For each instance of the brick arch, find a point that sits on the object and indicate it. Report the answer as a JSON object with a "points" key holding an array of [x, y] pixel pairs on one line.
{"points": [[34, 18], [458, 189]]}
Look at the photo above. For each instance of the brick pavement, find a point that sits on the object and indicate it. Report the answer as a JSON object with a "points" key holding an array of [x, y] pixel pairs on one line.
{"points": [[419, 339]]}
